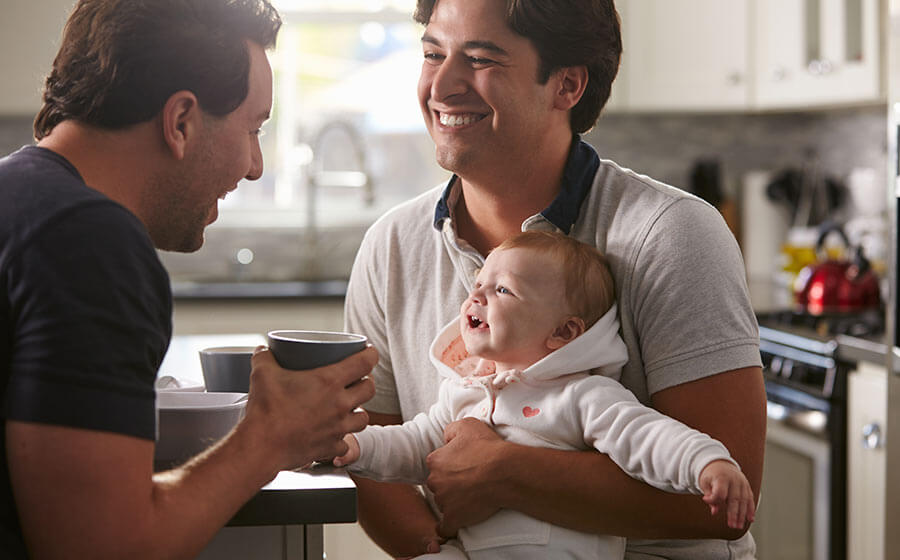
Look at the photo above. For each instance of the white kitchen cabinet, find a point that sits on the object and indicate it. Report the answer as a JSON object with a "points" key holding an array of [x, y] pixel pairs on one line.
{"points": [[866, 462], [685, 54], [816, 52], [742, 55]]}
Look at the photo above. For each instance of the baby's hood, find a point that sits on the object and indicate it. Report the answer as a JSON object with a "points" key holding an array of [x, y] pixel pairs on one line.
{"points": [[449, 339], [599, 348]]}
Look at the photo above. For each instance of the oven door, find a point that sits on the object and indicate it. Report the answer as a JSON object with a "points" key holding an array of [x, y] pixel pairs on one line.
{"points": [[794, 506]]}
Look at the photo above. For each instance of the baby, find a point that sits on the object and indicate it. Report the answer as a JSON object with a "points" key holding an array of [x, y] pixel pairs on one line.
{"points": [[533, 354]]}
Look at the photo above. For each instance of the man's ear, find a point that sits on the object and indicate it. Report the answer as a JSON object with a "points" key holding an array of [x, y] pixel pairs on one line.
{"points": [[572, 82], [569, 330], [180, 121]]}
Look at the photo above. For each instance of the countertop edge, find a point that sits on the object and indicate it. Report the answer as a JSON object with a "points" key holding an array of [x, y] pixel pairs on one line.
{"points": [[259, 290]]}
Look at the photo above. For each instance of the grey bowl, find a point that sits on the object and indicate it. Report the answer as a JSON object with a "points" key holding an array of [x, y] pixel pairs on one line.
{"points": [[312, 349]]}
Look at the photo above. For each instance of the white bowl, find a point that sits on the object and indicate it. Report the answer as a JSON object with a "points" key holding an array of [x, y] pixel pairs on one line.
{"points": [[189, 422], [168, 383]]}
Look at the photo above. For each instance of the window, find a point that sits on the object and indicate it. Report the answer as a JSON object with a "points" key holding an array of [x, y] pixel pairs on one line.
{"points": [[345, 143], [346, 140]]}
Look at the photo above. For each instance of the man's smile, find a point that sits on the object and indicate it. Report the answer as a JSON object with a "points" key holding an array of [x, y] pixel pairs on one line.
{"points": [[459, 119]]}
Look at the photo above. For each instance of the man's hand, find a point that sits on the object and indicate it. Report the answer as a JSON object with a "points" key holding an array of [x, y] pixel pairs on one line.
{"points": [[304, 415], [461, 474], [723, 485]]}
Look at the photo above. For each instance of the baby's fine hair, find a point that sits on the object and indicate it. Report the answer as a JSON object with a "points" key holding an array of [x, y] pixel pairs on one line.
{"points": [[589, 285]]}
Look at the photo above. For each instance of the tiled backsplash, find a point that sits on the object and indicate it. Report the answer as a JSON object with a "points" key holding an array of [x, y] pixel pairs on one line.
{"points": [[665, 146], [15, 132]]}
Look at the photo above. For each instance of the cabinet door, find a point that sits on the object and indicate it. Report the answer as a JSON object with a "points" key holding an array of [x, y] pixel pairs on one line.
{"points": [[685, 55], [816, 52], [866, 461]]}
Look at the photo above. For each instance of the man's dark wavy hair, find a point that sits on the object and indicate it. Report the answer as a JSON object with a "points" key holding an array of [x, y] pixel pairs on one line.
{"points": [[566, 33], [120, 60]]}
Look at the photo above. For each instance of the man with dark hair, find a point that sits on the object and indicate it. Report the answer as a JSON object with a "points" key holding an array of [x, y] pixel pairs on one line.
{"points": [[505, 88], [151, 114]]}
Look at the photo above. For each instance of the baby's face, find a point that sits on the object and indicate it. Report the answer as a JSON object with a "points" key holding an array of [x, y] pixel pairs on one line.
{"points": [[517, 303]]}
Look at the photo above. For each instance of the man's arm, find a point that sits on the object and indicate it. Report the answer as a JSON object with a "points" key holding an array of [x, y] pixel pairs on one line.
{"points": [[395, 516], [476, 472], [91, 494]]}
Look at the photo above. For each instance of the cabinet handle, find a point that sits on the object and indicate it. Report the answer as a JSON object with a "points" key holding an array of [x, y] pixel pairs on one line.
{"points": [[871, 436], [820, 67], [779, 74], [734, 79]]}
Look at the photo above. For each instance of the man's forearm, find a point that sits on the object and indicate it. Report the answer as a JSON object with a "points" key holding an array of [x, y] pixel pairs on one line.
{"points": [[395, 516], [586, 491]]}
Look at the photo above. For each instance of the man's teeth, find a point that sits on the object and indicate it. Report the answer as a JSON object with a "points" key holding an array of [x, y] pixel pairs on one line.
{"points": [[459, 120]]}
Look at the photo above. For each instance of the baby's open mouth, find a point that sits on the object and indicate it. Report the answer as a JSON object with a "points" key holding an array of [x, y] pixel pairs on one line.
{"points": [[475, 322]]}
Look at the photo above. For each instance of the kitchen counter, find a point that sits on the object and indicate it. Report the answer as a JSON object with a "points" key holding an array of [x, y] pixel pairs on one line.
{"points": [[307, 498], [322, 494]]}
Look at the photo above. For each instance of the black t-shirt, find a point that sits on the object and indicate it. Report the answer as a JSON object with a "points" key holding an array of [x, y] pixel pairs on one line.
{"points": [[85, 311]]}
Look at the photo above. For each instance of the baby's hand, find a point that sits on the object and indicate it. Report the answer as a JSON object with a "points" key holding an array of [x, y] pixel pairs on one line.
{"points": [[352, 453], [724, 485]]}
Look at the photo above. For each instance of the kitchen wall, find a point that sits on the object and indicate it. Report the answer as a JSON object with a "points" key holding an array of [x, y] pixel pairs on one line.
{"points": [[665, 146], [15, 132]]}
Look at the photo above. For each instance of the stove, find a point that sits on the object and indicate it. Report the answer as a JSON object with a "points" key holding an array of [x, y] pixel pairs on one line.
{"points": [[865, 324], [806, 393]]}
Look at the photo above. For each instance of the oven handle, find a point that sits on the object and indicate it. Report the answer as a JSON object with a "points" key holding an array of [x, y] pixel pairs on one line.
{"points": [[812, 422]]}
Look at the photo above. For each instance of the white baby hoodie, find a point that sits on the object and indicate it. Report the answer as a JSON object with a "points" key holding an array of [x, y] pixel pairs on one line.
{"points": [[568, 400]]}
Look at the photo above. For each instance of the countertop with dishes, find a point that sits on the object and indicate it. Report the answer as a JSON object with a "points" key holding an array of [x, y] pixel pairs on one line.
{"points": [[315, 496]]}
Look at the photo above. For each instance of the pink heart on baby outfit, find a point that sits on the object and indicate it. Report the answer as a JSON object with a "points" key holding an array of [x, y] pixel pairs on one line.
{"points": [[528, 412]]}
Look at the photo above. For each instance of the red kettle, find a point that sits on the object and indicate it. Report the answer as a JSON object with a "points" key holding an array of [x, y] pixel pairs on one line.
{"points": [[837, 286]]}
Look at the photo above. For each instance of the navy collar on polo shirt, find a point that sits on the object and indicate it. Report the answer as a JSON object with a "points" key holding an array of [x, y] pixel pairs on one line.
{"points": [[581, 166]]}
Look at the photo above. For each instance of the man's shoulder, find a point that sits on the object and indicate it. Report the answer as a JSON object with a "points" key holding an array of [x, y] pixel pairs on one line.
{"points": [[614, 180], [41, 188], [622, 197]]}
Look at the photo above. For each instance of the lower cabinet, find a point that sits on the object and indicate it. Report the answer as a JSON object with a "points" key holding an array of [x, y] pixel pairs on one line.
{"points": [[866, 457]]}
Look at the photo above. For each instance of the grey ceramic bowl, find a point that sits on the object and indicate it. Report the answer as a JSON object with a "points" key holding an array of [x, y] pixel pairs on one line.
{"points": [[312, 349], [226, 368]]}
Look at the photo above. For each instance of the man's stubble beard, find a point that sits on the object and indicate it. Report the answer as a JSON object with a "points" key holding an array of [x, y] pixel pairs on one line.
{"points": [[175, 223]]}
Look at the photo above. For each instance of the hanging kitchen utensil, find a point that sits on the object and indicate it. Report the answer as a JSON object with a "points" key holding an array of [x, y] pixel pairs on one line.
{"points": [[706, 182], [834, 285], [810, 195]]}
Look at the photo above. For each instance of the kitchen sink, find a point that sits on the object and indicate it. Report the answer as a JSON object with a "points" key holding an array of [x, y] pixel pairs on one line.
{"points": [[267, 255]]}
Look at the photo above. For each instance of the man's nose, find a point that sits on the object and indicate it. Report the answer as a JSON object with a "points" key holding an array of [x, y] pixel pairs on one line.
{"points": [[256, 162], [450, 79]]}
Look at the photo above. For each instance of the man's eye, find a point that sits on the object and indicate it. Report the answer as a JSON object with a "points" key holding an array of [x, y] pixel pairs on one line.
{"points": [[478, 61], [433, 57]]}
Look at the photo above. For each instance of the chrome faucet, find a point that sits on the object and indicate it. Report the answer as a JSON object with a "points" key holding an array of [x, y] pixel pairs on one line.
{"points": [[320, 177]]}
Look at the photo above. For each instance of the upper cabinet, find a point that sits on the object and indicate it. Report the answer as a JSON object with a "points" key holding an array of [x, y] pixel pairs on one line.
{"points": [[815, 52], [685, 54], [732, 55]]}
